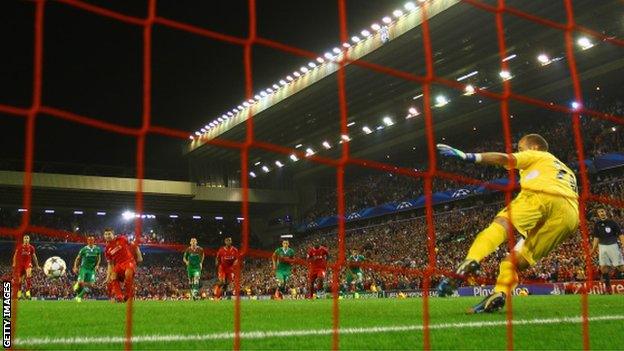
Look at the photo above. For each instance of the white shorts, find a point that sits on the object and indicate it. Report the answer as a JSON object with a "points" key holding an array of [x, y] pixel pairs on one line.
{"points": [[610, 255]]}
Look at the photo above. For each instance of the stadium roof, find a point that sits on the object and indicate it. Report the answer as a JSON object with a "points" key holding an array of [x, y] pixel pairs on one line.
{"points": [[463, 41]]}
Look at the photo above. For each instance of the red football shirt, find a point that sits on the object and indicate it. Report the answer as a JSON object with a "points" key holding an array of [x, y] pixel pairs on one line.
{"points": [[318, 257], [25, 254], [227, 257], [119, 250]]}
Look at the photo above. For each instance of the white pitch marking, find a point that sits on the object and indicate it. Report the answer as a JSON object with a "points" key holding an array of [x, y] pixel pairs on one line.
{"points": [[308, 332]]}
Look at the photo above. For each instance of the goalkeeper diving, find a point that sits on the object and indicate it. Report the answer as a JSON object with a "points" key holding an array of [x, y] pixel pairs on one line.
{"points": [[544, 213]]}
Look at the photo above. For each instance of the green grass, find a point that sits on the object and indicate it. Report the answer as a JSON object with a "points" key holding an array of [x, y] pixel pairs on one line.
{"points": [[55, 319]]}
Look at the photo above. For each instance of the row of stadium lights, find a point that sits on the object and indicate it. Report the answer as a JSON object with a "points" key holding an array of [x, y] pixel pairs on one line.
{"points": [[440, 100], [303, 70], [128, 215]]}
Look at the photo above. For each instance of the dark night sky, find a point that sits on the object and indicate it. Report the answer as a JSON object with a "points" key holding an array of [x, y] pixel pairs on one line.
{"points": [[92, 67]]}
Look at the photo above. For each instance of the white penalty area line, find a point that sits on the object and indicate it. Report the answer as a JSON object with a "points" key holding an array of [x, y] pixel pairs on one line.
{"points": [[295, 333]]}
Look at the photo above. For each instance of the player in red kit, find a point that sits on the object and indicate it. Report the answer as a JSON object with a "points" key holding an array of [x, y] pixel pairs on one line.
{"points": [[226, 261], [23, 259], [317, 261], [122, 257]]}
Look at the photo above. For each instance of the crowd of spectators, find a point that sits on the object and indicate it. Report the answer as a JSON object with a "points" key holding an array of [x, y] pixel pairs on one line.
{"points": [[599, 137]]}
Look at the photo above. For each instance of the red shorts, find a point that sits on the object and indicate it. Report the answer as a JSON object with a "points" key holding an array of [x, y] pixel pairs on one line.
{"points": [[21, 269], [226, 273], [120, 269], [316, 273]]}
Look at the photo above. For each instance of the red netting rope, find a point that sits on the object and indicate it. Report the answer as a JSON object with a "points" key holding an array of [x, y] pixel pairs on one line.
{"points": [[37, 108]]}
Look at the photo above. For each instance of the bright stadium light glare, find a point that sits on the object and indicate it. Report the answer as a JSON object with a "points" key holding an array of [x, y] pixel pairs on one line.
{"points": [[388, 121], [49, 211], [289, 78], [296, 74], [173, 216], [196, 217], [198, 133], [355, 39], [397, 13], [320, 60], [127, 215], [326, 144], [309, 152], [412, 112], [282, 82], [275, 86], [101, 213], [506, 75], [410, 6], [584, 43], [251, 101], [466, 76], [365, 33], [613, 129], [386, 20], [298, 146], [252, 174], [191, 137], [304, 69], [366, 130], [441, 100], [350, 124], [265, 169], [230, 113], [202, 130], [257, 97], [417, 97], [543, 59], [294, 158], [219, 218], [263, 94], [269, 91], [346, 45], [246, 104], [336, 50], [220, 119], [312, 65], [345, 137], [375, 26], [257, 163], [469, 90], [575, 105], [328, 56], [279, 164], [510, 57]]}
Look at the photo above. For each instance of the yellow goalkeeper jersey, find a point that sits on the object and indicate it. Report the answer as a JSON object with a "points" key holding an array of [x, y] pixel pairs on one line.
{"points": [[542, 172]]}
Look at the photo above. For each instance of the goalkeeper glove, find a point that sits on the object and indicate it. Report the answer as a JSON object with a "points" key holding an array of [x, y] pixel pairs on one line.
{"points": [[448, 151]]}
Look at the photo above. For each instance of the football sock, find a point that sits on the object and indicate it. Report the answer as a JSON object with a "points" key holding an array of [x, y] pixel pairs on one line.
{"points": [[115, 288], [486, 242], [28, 283], [607, 280], [507, 277], [128, 288]]}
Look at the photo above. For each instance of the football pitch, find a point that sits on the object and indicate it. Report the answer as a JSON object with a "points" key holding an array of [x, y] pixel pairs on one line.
{"points": [[540, 322]]}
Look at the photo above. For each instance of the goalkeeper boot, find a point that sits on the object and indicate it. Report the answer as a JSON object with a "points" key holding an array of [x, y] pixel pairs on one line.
{"points": [[448, 285], [492, 303]]}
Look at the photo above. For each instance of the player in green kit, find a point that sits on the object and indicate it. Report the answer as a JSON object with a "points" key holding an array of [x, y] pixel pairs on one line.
{"points": [[282, 266], [89, 259], [194, 261], [355, 277]]}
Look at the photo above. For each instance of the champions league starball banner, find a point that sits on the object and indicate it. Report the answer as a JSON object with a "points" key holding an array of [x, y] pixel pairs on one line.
{"points": [[599, 163]]}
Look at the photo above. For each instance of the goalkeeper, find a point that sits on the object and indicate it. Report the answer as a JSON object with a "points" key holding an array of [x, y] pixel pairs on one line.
{"points": [[544, 213]]}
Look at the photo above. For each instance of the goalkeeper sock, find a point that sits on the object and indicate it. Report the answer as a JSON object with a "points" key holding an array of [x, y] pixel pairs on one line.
{"points": [[486, 242], [507, 277]]}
